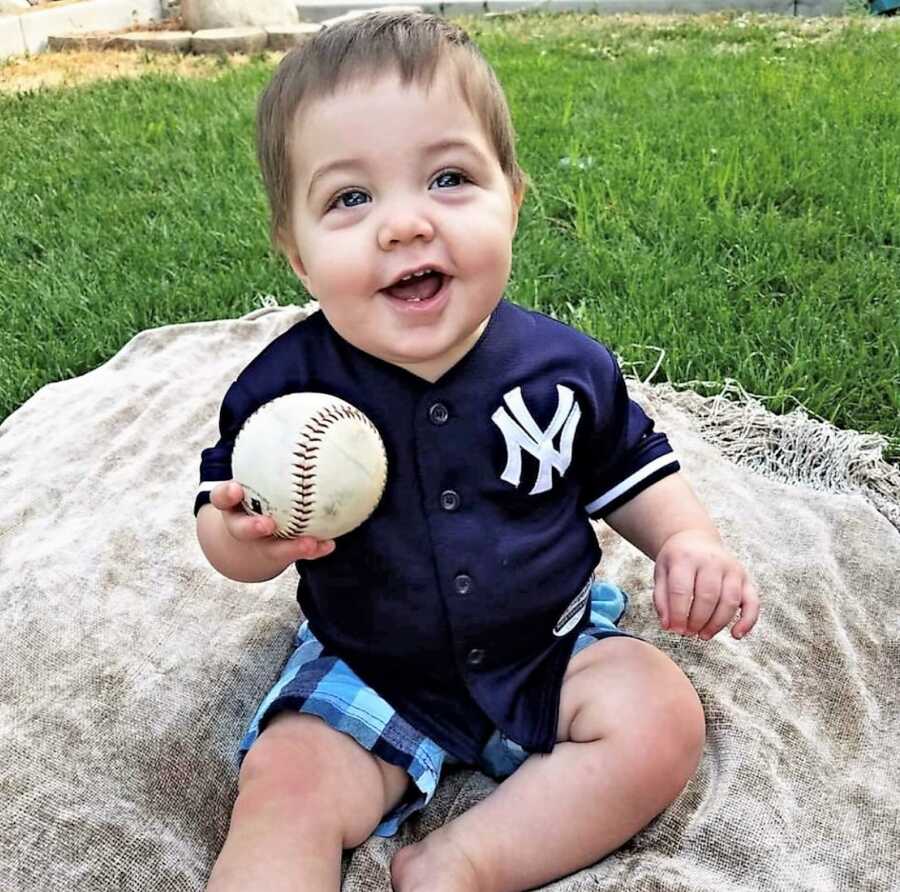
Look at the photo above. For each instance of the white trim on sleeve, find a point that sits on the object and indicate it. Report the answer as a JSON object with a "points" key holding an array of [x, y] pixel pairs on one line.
{"points": [[633, 480]]}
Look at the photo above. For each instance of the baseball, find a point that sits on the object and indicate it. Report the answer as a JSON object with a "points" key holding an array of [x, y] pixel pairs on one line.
{"points": [[312, 462]]}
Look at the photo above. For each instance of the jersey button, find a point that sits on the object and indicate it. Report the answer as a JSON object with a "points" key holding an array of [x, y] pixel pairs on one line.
{"points": [[463, 584], [449, 500], [438, 414], [475, 657]]}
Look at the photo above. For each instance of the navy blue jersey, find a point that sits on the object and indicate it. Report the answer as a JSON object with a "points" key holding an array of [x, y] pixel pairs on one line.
{"points": [[460, 598]]}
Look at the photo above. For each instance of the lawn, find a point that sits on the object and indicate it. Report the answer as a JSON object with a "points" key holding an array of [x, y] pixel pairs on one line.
{"points": [[725, 188]]}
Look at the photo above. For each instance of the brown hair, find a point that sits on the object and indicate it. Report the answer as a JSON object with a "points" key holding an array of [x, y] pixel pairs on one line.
{"points": [[413, 45]]}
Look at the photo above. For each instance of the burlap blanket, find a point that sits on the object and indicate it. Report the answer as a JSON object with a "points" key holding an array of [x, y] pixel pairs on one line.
{"points": [[129, 667]]}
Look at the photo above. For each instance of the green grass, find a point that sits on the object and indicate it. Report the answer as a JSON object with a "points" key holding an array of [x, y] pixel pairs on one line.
{"points": [[732, 195]]}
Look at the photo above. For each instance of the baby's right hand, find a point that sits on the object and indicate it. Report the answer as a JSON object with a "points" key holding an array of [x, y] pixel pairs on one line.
{"points": [[253, 528]]}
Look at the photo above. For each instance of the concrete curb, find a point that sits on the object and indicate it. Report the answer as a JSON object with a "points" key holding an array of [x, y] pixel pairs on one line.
{"points": [[12, 41], [357, 11], [155, 41], [285, 37], [60, 43], [230, 40], [322, 10], [92, 15]]}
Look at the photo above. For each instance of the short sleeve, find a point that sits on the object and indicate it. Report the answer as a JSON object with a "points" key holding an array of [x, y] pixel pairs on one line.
{"points": [[624, 454], [215, 462]]}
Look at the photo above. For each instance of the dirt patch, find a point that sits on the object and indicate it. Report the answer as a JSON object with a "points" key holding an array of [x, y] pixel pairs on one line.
{"points": [[69, 69]]}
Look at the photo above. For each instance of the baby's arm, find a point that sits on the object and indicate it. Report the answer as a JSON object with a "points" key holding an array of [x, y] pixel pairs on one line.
{"points": [[699, 585], [241, 546], [667, 507]]}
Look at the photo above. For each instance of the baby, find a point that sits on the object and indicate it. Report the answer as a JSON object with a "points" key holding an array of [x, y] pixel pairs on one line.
{"points": [[461, 623]]}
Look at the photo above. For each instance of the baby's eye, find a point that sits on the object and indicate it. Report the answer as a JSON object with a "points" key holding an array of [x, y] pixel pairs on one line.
{"points": [[339, 199], [452, 173]]}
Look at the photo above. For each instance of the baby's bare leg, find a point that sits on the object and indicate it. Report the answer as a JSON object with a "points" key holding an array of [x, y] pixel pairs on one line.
{"points": [[631, 733], [306, 792]]}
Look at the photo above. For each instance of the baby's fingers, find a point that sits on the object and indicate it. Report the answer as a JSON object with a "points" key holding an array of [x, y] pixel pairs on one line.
{"points": [[729, 603], [749, 611], [315, 548], [661, 595], [226, 496], [679, 591], [247, 527], [303, 548], [707, 593], [244, 527]]}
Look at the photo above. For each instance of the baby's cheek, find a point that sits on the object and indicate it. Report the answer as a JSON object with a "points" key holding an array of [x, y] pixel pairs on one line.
{"points": [[341, 271], [488, 249]]}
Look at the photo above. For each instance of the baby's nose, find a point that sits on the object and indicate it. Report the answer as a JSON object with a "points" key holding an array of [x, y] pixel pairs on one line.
{"points": [[404, 225]]}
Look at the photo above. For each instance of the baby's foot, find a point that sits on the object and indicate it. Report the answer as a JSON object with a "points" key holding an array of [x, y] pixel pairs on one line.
{"points": [[436, 864]]}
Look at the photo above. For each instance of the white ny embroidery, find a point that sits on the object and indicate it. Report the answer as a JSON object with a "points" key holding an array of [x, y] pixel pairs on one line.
{"points": [[522, 432]]}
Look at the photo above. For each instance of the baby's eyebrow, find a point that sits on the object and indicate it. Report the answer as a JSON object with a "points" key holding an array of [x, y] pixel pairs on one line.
{"points": [[347, 163]]}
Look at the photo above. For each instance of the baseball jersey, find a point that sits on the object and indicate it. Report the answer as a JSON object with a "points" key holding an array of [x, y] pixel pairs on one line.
{"points": [[460, 598]]}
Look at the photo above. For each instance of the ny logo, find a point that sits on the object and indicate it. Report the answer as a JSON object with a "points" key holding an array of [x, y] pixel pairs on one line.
{"points": [[521, 432]]}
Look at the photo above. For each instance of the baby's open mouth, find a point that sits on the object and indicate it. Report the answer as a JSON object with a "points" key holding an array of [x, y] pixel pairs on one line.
{"points": [[417, 288]]}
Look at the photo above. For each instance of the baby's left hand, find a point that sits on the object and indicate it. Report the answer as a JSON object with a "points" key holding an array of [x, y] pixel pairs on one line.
{"points": [[700, 587]]}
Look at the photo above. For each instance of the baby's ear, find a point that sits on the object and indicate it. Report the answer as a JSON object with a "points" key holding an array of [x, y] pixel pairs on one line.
{"points": [[296, 263], [517, 197], [519, 194], [293, 257]]}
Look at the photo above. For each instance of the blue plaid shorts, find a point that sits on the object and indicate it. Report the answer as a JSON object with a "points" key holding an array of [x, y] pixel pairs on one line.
{"points": [[327, 687]]}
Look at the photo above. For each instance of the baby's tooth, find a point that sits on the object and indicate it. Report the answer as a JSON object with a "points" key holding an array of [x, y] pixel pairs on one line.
{"points": [[424, 272]]}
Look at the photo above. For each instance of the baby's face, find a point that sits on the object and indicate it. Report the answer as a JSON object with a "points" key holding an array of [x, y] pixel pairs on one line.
{"points": [[401, 203]]}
